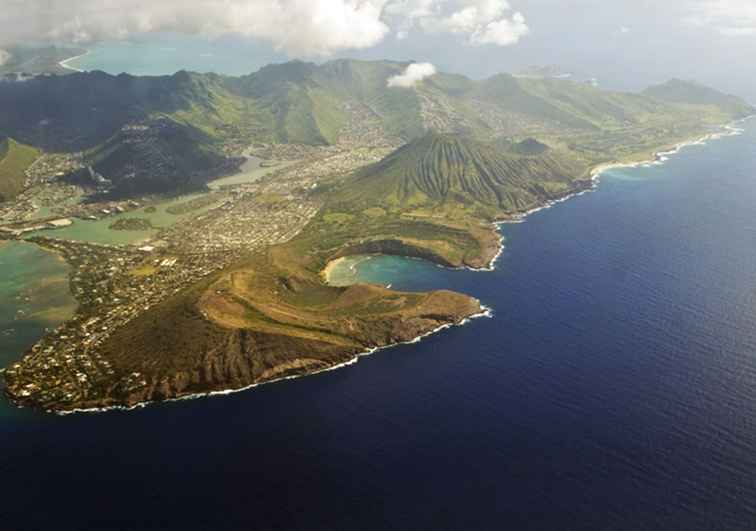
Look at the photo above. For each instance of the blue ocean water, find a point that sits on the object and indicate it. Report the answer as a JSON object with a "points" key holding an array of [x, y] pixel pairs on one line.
{"points": [[614, 388]]}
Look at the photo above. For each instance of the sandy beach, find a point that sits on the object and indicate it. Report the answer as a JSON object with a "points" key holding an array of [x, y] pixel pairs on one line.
{"points": [[661, 156], [64, 63], [330, 266]]}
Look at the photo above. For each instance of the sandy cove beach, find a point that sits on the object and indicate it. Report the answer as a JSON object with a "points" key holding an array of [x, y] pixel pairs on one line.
{"points": [[330, 266]]}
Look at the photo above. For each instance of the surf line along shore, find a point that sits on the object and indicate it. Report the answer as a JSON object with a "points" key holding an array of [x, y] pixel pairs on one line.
{"points": [[485, 312], [659, 157]]}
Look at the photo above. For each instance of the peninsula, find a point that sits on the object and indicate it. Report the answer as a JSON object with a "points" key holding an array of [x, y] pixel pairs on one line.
{"points": [[228, 292]]}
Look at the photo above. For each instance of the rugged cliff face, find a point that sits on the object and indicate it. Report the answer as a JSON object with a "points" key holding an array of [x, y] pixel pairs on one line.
{"points": [[246, 327], [399, 247]]}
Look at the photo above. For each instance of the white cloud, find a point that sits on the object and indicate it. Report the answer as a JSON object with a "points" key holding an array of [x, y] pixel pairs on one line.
{"points": [[624, 29], [412, 75], [297, 27], [4, 56], [738, 31], [481, 21], [732, 18], [501, 32]]}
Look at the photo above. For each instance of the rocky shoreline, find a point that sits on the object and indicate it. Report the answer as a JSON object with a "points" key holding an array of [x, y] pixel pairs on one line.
{"points": [[227, 364], [297, 372], [229, 368]]}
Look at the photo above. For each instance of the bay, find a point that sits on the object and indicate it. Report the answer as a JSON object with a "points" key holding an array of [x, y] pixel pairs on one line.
{"points": [[166, 53]]}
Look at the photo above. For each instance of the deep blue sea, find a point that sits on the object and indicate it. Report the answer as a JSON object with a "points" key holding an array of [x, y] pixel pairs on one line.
{"points": [[614, 388]]}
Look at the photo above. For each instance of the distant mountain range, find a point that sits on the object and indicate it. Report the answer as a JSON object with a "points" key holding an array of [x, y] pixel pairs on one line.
{"points": [[305, 103]]}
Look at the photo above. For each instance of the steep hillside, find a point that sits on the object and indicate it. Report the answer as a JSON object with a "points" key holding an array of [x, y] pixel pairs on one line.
{"points": [[400, 110], [15, 158], [692, 93], [160, 155], [305, 103], [299, 111], [448, 169], [80, 111], [299, 102], [476, 153]]}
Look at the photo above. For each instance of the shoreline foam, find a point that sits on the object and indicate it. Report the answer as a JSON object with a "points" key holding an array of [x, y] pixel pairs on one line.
{"points": [[330, 266], [659, 157], [485, 312]]}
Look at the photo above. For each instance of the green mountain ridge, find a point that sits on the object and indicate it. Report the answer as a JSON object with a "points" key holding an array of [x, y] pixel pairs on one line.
{"points": [[443, 168], [305, 103], [15, 158], [475, 152], [693, 93], [157, 156]]}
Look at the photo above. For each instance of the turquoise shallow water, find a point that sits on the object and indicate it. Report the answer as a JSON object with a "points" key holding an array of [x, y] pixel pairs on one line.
{"points": [[613, 388], [34, 295], [394, 271], [161, 54], [99, 231]]}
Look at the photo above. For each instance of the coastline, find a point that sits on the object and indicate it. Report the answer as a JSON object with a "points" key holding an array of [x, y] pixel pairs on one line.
{"points": [[64, 63], [330, 266], [485, 312], [328, 272], [658, 158]]}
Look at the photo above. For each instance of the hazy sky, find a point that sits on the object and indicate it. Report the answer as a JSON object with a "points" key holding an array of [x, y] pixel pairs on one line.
{"points": [[625, 43]]}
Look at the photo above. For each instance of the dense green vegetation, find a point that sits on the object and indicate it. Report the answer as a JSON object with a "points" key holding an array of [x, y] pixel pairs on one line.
{"points": [[692, 93], [161, 155], [437, 170], [15, 158], [475, 152], [300, 102], [434, 198], [305, 103]]}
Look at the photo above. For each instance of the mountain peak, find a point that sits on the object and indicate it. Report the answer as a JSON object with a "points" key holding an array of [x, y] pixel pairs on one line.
{"points": [[440, 167], [694, 93]]}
